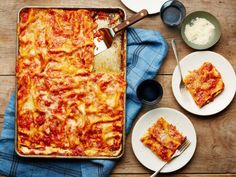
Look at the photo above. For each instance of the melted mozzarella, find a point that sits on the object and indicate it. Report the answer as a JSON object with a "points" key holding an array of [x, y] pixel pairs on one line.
{"points": [[29, 104], [72, 124], [47, 150]]}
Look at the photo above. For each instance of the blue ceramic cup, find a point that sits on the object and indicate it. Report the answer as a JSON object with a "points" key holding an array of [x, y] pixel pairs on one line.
{"points": [[149, 92], [172, 13]]}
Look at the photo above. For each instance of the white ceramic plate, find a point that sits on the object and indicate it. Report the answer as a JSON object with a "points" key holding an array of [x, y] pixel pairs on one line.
{"points": [[194, 61], [146, 156], [152, 6]]}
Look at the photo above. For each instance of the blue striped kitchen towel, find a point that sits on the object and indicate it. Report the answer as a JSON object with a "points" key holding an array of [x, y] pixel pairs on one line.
{"points": [[146, 52]]}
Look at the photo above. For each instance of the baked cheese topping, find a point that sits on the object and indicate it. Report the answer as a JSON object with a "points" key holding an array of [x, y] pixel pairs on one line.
{"points": [[63, 106], [204, 83], [163, 139]]}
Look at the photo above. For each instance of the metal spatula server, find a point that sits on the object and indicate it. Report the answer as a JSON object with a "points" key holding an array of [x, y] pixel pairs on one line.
{"points": [[109, 33]]}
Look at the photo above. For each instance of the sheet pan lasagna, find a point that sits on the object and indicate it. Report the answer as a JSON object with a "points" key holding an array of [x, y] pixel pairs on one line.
{"points": [[64, 106]]}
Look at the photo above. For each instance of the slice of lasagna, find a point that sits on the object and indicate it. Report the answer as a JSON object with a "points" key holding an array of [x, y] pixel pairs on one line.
{"points": [[204, 84], [163, 139]]}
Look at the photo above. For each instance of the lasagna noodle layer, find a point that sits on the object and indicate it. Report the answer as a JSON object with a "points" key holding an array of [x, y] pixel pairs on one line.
{"points": [[52, 35], [204, 84], [63, 108], [163, 139]]}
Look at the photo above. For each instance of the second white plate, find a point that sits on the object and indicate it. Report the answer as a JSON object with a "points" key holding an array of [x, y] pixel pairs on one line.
{"points": [[146, 156], [194, 61], [152, 6]]}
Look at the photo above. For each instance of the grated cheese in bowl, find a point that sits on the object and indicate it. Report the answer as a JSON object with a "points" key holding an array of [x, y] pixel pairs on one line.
{"points": [[199, 31]]}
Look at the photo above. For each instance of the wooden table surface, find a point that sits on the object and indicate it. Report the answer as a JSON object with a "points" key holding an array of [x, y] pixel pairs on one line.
{"points": [[216, 147]]}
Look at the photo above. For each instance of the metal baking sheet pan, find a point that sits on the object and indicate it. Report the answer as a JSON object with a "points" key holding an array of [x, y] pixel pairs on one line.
{"points": [[121, 54]]}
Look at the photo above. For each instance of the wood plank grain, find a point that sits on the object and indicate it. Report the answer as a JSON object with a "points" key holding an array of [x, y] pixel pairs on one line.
{"points": [[7, 87], [224, 48], [171, 175], [174, 175], [1, 122], [214, 153], [216, 134], [222, 10], [216, 147]]}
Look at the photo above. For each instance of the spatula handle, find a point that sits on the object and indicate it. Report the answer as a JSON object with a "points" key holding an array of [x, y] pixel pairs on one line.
{"points": [[131, 20]]}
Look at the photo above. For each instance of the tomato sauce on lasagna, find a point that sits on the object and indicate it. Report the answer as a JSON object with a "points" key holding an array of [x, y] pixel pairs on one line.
{"points": [[163, 139], [204, 83], [64, 107]]}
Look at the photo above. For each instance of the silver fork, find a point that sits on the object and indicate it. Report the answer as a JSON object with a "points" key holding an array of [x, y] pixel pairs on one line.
{"points": [[181, 85], [178, 152]]}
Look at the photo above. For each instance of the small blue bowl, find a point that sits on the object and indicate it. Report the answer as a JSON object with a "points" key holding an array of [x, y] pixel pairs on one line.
{"points": [[149, 92], [172, 13]]}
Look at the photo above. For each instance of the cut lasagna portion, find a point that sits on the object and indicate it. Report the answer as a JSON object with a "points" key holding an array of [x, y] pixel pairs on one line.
{"points": [[163, 139], [204, 84], [64, 108]]}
